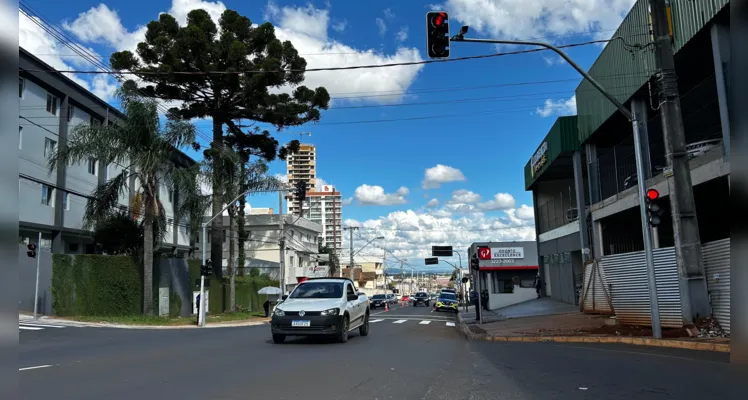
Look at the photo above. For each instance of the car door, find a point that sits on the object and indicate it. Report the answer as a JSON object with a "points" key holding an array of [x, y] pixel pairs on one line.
{"points": [[352, 304]]}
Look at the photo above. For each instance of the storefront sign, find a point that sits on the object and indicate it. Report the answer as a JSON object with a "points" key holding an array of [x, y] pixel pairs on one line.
{"points": [[539, 159], [501, 253]]}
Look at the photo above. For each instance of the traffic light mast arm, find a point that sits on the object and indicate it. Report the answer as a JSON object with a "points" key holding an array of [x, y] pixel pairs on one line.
{"points": [[625, 111]]}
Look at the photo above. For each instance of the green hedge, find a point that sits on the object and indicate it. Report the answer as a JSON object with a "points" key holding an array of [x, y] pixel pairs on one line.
{"points": [[246, 290], [96, 285]]}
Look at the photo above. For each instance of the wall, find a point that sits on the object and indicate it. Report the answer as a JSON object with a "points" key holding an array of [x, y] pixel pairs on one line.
{"points": [[27, 281], [174, 274]]}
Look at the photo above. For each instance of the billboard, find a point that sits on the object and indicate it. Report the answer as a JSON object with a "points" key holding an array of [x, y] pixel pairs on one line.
{"points": [[499, 253]]}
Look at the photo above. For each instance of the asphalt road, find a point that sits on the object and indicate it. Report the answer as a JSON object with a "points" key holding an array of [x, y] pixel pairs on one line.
{"points": [[403, 358]]}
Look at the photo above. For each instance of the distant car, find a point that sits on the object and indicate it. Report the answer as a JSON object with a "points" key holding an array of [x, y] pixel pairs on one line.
{"points": [[421, 298], [378, 300], [405, 298], [446, 302]]}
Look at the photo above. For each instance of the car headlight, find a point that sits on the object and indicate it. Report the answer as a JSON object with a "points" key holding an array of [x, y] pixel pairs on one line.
{"points": [[330, 312], [279, 312], [438, 303]]}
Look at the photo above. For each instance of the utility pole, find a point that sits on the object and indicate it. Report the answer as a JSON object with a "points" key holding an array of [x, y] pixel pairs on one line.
{"points": [[350, 244], [694, 295], [281, 245]]}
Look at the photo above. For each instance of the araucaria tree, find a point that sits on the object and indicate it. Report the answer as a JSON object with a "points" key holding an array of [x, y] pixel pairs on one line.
{"points": [[143, 148], [225, 73]]}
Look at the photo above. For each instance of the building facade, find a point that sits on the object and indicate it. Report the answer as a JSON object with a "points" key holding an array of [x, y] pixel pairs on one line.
{"points": [[585, 185], [507, 270], [263, 247], [325, 208], [301, 167], [50, 106]]}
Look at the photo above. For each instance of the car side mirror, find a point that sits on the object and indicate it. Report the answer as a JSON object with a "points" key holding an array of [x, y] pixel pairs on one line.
{"points": [[285, 296], [352, 297]]}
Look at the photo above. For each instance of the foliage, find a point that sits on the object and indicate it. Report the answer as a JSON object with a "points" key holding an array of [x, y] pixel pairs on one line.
{"points": [[96, 285], [120, 234], [247, 298], [254, 272], [175, 63], [334, 263], [145, 150]]}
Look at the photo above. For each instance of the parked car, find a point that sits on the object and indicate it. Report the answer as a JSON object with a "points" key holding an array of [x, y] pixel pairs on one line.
{"points": [[421, 298], [378, 300], [391, 298], [321, 306]]}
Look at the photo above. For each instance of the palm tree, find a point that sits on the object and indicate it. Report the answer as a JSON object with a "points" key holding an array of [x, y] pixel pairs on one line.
{"points": [[144, 148]]}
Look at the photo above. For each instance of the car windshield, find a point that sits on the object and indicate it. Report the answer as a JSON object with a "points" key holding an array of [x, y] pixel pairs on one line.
{"points": [[447, 296], [318, 290], [421, 295], [378, 297]]}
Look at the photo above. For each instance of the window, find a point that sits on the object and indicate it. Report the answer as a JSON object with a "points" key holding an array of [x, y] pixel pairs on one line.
{"points": [[65, 201], [48, 196], [92, 166], [171, 195], [49, 147], [71, 111], [20, 137], [21, 87], [52, 103]]}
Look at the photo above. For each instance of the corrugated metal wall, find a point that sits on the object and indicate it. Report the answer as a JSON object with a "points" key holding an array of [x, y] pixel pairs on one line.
{"points": [[627, 278], [596, 291], [717, 264]]}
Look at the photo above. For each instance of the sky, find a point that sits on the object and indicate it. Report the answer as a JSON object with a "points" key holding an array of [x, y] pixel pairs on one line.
{"points": [[423, 154]]}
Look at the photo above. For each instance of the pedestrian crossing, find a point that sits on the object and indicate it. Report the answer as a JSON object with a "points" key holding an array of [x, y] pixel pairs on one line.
{"points": [[419, 321], [33, 326]]}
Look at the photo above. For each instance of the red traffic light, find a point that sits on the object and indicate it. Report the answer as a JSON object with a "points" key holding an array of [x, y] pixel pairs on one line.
{"points": [[31, 246], [439, 19], [653, 194]]}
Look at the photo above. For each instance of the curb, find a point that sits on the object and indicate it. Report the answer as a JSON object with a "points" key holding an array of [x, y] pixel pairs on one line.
{"points": [[638, 341], [79, 324]]}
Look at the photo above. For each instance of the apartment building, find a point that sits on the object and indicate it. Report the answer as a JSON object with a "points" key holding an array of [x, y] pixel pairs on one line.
{"points": [[262, 246], [301, 167], [50, 105], [324, 207]]}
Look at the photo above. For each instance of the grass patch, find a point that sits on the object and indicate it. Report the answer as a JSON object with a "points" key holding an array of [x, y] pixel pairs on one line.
{"points": [[166, 321]]}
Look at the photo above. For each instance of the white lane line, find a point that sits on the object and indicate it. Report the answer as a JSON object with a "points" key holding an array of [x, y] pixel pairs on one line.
{"points": [[42, 325], [29, 328], [375, 320], [400, 321], [425, 322], [36, 367], [450, 324]]}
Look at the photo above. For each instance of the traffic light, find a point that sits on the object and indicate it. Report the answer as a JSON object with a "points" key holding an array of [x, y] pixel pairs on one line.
{"points": [[437, 34], [474, 263], [654, 211], [32, 250], [300, 191], [207, 269]]}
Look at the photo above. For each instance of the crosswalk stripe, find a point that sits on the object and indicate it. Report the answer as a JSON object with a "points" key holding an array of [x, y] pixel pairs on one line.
{"points": [[400, 321], [375, 320], [29, 328], [450, 324], [425, 322]]}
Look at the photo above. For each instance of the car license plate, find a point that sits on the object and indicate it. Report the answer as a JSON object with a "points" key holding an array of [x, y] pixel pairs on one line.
{"points": [[300, 323]]}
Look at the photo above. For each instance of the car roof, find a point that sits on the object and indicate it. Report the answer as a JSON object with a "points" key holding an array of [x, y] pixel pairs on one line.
{"points": [[328, 280]]}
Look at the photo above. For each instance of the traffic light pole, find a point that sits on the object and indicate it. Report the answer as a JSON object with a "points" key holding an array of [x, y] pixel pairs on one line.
{"points": [[647, 234], [36, 287]]}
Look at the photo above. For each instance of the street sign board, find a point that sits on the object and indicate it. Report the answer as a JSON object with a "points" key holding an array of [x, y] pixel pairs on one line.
{"points": [[432, 261], [441, 251], [194, 301]]}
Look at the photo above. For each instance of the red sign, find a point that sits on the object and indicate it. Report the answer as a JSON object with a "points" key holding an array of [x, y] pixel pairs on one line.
{"points": [[484, 253]]}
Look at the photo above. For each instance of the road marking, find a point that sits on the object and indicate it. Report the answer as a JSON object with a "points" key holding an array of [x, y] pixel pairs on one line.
{"points": [[29, 328], [450, 324], [41, 325], [375, 320], [425, 322], [37, 367], [400, 321]]}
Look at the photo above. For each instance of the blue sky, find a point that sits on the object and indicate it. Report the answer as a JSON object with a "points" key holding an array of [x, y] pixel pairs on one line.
{"points": [[378, 131]]}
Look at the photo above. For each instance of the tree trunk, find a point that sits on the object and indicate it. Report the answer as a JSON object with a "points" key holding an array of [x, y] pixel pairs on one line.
{"points": [[148, 265], [240, 221], [216, 228], [231, 265]]}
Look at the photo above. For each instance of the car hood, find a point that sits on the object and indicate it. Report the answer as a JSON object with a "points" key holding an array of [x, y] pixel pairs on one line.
{"points": [[309, 304]]}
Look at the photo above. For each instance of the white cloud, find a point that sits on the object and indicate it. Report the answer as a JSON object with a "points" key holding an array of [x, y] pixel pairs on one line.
{"points": [[375, 195], [402, 34], [435, 176], [340, 26], [319, 183], [524, 212], [525, 19], [500, 201], [558, 107], [388, 14], [347, 202], [381, 26], [306, 27], [463, 196], [554, 60], [432, 203]]}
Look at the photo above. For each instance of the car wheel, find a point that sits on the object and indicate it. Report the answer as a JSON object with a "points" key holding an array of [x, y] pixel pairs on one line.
{"points": [[343, 335], [363, 330], [279, 339]]}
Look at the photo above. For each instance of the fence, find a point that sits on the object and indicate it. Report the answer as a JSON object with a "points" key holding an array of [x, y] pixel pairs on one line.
{"points": [[717, 265], [596, 291], [558, 211]]}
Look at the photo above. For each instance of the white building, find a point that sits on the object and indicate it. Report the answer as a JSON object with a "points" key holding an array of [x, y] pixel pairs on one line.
{"points": [[301, 167], [50, 105], [325, 208]]}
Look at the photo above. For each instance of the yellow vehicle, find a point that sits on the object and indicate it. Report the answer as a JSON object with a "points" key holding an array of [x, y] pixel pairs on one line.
{"points": [[446, 302]]}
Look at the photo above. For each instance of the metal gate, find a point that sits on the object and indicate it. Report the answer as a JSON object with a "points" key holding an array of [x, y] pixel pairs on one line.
{"points": [[627, 278], [562, 277], [717, 268], [595, 291]]}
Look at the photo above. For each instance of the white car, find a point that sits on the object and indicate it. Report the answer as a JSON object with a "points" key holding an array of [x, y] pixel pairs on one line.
{"points": [[321, 306]]}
